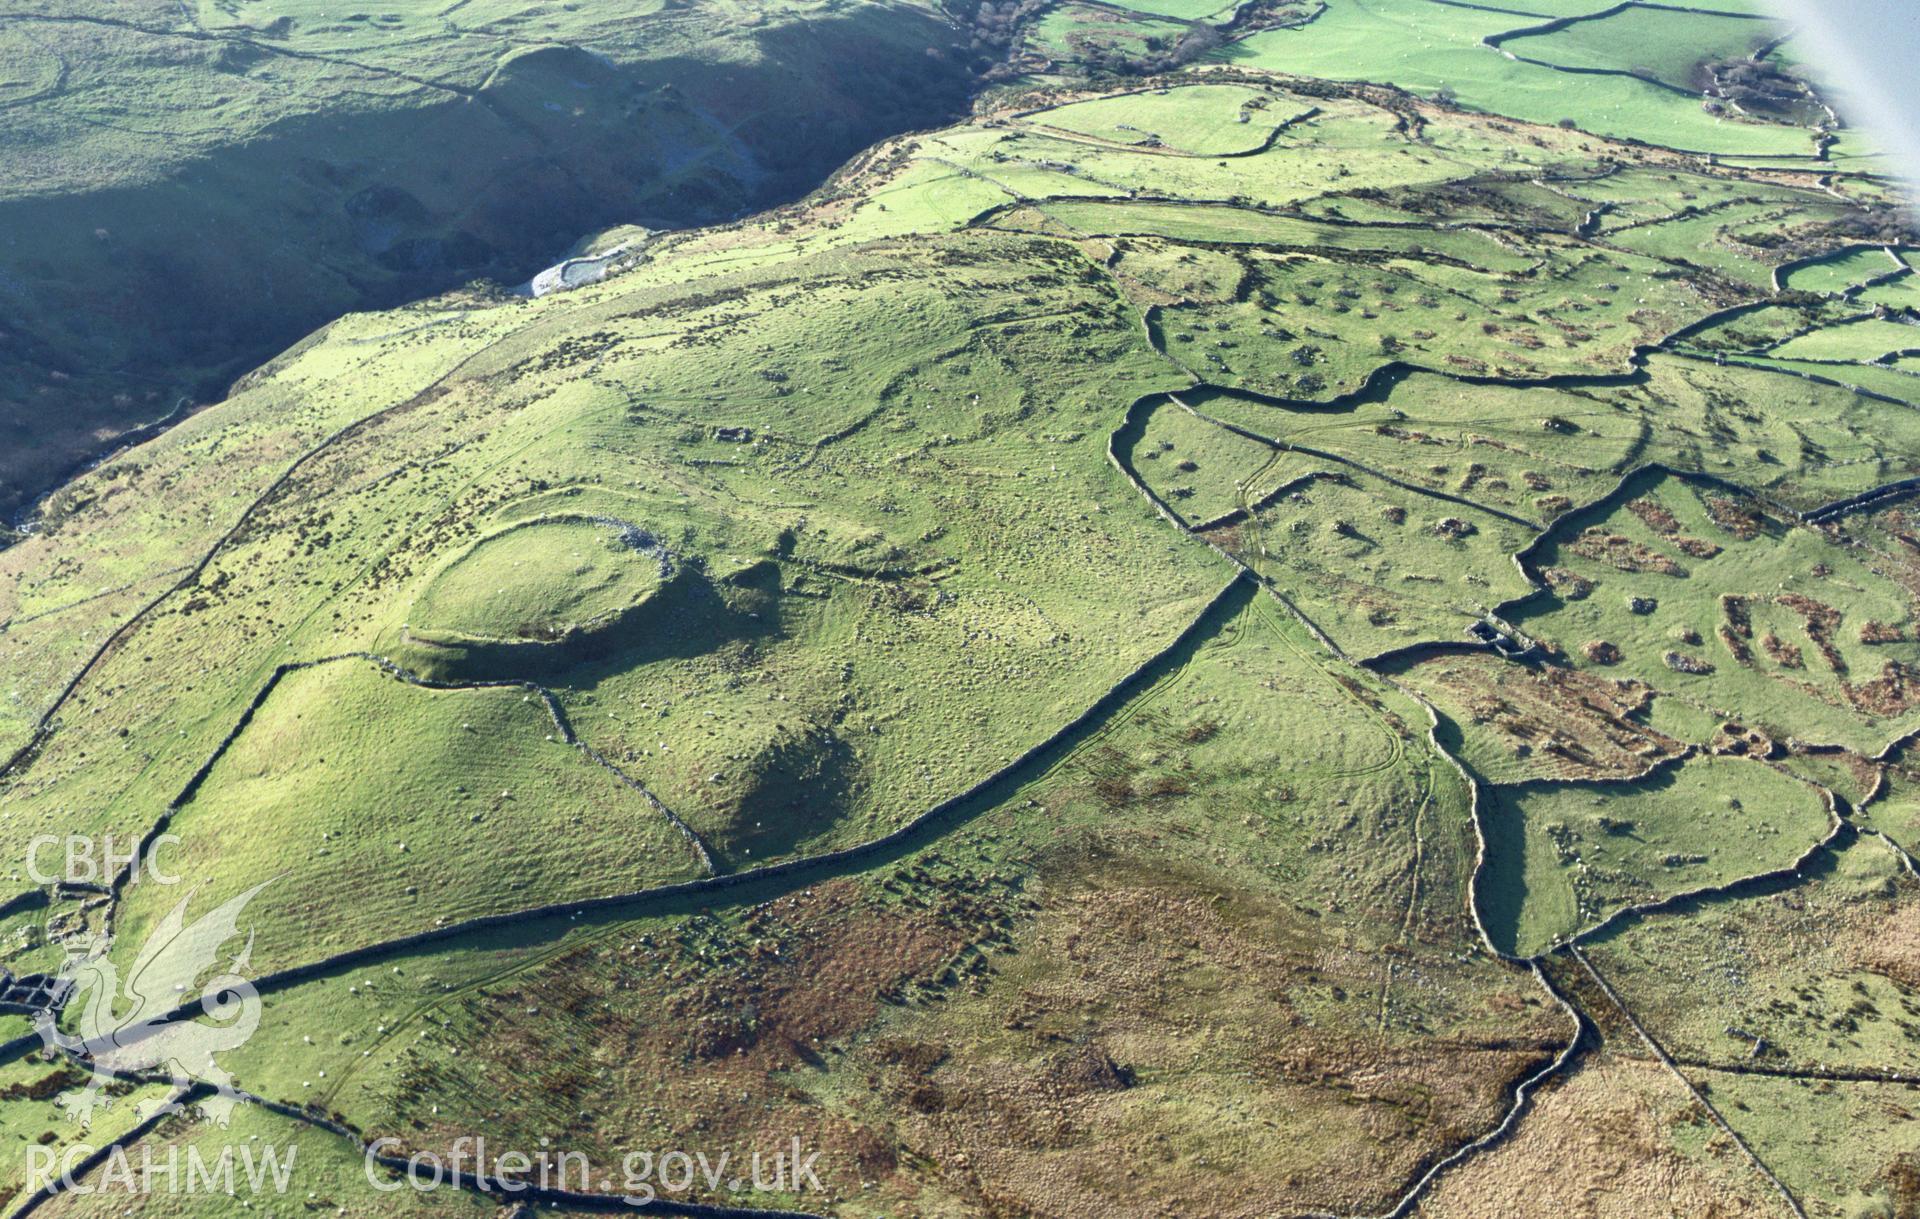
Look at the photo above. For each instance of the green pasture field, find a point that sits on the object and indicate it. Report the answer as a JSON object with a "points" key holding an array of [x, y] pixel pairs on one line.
{"points": [[1563, 857], [1640, 194], [1316, 328], [1865, 340], [26, 1122], [322, 1172], [1410, 44], [1236, 226], [1902, 293], [1199, 470], [1541, 452], [1838, 274], [1750, 994], [1199, 120], [1713, 979], [1067, 31], [1812, 1135], [377, 807], [1663, 44], [1178, 272], [1377, 566], [1182, 10], [1738, 241], [1760, 330], [1895, 809], [1889, 383], [1350, 139], [911, 422]]}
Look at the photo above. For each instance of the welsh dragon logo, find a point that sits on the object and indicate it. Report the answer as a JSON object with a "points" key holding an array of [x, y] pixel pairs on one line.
{"points": [[151, 1021]]}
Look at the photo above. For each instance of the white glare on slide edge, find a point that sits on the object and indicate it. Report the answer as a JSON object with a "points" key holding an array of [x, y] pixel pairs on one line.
{"points": [[1865, 53]]}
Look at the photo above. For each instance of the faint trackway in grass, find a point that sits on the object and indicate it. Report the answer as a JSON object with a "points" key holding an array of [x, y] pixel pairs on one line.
{"points": [[37, 615]]}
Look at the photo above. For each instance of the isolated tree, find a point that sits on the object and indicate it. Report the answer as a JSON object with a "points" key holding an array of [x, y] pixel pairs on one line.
{"points": [[1198, 40]]}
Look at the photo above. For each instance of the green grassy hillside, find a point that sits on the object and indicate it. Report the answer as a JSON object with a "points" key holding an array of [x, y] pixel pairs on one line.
{"points": [[1259, 606], [192, 188]]}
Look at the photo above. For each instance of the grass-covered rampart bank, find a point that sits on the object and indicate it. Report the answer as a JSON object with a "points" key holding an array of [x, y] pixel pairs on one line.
{"points": [[1264, 606]]}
